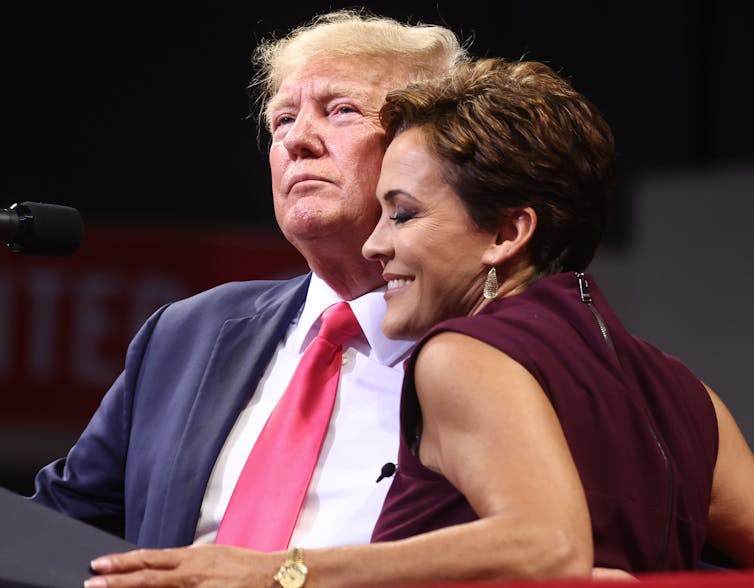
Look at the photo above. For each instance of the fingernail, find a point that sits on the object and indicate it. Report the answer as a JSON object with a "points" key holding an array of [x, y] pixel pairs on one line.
{"points": [[95, 582], [101, 565]]}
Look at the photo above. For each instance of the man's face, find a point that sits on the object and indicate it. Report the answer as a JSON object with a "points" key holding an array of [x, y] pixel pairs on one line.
{"points": [[326, 152]]}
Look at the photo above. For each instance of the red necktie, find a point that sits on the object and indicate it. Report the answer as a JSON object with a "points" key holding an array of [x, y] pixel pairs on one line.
{"points": [[266, 501]]}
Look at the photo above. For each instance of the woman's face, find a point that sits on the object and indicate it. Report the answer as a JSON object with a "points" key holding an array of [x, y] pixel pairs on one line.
{"points": [[430, 250]]}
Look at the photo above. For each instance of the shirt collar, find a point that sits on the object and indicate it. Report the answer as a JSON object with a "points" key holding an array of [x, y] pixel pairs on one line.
{"points": [[369, 310]]}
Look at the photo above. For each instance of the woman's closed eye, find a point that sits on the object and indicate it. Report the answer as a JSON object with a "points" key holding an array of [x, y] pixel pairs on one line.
{"points": [[402, 215]]}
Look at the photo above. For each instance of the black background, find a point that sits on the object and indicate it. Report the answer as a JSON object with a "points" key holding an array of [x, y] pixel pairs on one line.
{"points": [[139, 112]]}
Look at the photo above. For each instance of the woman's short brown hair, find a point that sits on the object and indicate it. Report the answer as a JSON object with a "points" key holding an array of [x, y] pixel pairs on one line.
{"points": [[514, 133]]}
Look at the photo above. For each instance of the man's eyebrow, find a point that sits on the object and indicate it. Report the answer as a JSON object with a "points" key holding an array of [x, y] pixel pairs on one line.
{"points": [[277, 102], [330, 92], [341, 91]]}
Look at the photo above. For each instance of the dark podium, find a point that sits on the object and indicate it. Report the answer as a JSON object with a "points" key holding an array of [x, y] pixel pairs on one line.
{"points": [[41, 547]]}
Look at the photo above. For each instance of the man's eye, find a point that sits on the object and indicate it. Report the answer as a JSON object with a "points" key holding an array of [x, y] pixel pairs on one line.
{"points": [[343, 109], [402, 215], [282, 120]]}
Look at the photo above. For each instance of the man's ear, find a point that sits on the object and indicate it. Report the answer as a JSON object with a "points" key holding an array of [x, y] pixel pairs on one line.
{"points": [[516, 229]]}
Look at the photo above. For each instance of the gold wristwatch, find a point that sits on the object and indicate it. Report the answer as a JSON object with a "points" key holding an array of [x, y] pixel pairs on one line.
{"points": [[292, 574]]}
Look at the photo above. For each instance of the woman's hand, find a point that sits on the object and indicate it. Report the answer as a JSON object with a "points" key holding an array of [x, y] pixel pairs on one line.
{"points": [[202, 565], [611, 574]]}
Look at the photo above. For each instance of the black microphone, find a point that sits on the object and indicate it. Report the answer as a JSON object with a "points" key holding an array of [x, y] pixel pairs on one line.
{"points": [[387, 470], [35, 228]]}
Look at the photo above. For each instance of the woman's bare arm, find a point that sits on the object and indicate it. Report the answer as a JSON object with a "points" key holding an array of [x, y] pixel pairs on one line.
{"points": [[731, 517]]}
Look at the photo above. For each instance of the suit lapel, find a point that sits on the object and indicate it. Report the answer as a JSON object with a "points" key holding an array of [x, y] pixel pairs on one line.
{"points": [[238, 360]]}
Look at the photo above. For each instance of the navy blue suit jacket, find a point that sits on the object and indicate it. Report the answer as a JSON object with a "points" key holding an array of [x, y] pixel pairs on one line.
{"points": [[141, 466]]}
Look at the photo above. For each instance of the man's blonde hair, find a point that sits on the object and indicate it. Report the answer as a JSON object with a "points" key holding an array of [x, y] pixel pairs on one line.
{"points": [[418, 50]]}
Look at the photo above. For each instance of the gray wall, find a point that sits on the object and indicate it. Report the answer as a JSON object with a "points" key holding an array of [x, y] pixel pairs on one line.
{"points": [[684, 279]]}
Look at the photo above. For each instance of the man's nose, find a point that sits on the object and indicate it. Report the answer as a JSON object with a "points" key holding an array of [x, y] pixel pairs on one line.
{"points": [[305, 137]]}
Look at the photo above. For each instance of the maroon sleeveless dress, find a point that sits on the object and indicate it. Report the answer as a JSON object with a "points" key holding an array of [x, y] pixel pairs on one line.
{"points": [[640, 426]]}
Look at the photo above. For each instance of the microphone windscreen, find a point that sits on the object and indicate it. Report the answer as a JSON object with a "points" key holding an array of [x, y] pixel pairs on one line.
{"points": [[48, 229]]}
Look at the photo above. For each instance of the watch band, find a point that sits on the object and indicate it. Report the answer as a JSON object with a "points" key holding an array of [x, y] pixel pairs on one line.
{"points": [[296, 555]]}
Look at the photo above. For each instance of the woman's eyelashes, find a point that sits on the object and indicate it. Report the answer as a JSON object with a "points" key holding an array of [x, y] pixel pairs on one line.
{"points": [[401, 215]]}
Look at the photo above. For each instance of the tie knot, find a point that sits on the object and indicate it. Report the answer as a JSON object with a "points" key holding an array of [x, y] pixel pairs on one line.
{"points": [[338, 324]]}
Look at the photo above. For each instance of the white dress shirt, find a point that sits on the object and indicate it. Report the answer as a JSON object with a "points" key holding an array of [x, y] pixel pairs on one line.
{"points": [[343, 500]]}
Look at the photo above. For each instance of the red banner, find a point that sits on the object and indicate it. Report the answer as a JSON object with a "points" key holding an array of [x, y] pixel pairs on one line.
{"points": [[65, 322]]}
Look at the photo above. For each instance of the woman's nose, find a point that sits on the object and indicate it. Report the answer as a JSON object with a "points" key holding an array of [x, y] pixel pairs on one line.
{"points": [[375, 247]]}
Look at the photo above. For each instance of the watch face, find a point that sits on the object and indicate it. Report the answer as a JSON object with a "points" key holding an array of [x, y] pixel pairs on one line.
{"points": [[292, 575]]}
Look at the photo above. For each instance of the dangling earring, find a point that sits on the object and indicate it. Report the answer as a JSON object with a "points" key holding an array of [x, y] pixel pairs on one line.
{"points": [[490, 285]]}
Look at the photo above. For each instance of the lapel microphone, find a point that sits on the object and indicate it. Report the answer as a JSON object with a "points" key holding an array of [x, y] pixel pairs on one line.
{"points": [[387, 470]]}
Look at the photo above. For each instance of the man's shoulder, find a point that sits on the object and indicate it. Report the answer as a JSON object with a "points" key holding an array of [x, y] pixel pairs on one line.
{"points": [[242, 298], [243, 290]]}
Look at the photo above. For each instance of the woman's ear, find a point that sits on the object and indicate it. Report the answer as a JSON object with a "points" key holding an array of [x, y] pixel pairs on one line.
{"points": [[516, 229]]}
